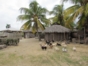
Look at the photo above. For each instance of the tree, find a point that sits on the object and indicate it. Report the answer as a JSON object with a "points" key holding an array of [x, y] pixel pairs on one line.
{"points": [[34, 17], [8, 26], [78, 10], [58, 14]]}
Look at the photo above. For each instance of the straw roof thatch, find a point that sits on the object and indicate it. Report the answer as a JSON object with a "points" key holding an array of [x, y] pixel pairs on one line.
{"points": [[10, 29], [74, 30], [56, 28], [30, 30]]}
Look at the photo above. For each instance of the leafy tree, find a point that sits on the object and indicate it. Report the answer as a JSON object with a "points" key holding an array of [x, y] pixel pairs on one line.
{"points": [[58, 14], [8, 26], [34, 17], [78, 10]]}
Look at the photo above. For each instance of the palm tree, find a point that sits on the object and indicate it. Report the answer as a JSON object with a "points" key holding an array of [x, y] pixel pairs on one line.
{"points": [[78, 10], [8, 26], [58, 14], [34, 17]]}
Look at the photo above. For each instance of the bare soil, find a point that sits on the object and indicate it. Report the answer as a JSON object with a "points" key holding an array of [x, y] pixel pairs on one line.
{"points": [[29, 53]]}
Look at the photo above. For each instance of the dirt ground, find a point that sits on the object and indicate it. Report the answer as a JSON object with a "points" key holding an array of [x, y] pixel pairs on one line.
{"points": [[25, 47], [29, 53]]}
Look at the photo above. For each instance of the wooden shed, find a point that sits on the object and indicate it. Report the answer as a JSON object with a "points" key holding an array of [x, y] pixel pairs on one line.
{"points": [[56, 33]]}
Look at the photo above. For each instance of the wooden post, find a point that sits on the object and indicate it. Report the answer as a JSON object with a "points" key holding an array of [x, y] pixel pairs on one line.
{"points": [[53, 36], [84, 36], [64, 36], [79, 38], [61, 36]]}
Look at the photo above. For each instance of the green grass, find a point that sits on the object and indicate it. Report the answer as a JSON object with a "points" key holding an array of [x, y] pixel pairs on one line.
{"points": [[9, 59], [52, 59]]}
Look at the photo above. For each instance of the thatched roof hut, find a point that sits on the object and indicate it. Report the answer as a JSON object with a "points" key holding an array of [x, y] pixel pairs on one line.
{"points": [[56, 33], [30, 30], [56, 28], [30, 34], [11, 33], [11, 29]]}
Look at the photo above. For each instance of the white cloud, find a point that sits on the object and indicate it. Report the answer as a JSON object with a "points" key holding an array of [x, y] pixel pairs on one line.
{"points": [[9, 10]]}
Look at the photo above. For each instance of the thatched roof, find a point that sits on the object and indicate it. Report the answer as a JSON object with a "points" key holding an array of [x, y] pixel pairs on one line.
{"points": [[74, 30], [10, 29], [30, 30], [56, 28]]}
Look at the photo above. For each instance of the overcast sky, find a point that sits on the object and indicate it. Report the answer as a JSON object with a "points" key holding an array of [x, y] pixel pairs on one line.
{"points": [[9, 10]]}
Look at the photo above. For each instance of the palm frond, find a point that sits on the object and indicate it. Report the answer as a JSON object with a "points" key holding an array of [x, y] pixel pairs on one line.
{"points": [[69, 21], [34, 6], [23, 17], [26, 25], [86, 10], [58, 9], [54, 19], [69, 11], [81, 22], [41, 11], [40, 25], [45, 21], [34, 29], [24, 10], [78, 11]]}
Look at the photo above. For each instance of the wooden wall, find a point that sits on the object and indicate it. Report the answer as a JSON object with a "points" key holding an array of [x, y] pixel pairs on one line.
{"points": [[28, 35], [56, 36]]}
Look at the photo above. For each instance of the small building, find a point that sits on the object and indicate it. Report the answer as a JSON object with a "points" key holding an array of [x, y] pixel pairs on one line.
{"points": [[56, 33], [30, 34], [11, 33], [10, 36]]}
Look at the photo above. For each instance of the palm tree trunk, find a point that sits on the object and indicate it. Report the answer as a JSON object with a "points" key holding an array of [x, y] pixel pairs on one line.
{"points": [[84, 36], [37, 32]]}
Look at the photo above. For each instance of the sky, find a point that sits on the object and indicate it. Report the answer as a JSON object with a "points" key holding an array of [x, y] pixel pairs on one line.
{"points": [[9, 10]]}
